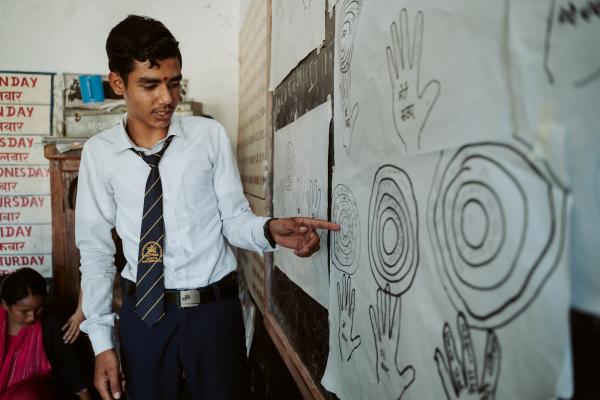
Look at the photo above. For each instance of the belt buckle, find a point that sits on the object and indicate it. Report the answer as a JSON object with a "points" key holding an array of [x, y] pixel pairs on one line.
{"points": [[189, 298]]}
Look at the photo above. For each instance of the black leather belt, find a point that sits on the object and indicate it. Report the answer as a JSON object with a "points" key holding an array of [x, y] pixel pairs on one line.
{"points": [[224, 289]]}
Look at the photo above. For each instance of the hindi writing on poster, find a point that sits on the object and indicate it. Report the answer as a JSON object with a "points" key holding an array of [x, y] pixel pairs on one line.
{"points": [[25, 209]]}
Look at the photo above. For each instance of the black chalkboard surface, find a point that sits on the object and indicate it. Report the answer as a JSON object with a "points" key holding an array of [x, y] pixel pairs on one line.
{"points": [[301, 322]]}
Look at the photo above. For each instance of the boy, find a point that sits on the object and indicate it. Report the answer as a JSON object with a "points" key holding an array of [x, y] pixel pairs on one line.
{"points": [[171, 188]]}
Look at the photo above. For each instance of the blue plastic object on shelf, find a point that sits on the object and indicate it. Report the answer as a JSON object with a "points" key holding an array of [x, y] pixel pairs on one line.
{"points": [[91, 88]]}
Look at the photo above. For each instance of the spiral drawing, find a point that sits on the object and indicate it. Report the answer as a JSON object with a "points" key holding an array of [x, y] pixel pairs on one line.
{"points": [[497, 224], [345, 244], [393, 230], [347, 30]]}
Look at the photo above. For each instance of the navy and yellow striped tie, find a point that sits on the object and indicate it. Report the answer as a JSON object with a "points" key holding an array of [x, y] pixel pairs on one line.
{"points": [[149, 293]]}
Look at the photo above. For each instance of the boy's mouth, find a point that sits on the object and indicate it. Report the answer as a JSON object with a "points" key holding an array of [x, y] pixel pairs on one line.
{"points": [[163, 114]]}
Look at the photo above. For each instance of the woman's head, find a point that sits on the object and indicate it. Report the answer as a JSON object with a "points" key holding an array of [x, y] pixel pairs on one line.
{"points": [[23, 293]]}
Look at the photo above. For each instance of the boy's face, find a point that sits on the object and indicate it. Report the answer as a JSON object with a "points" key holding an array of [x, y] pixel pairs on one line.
{"points": [[151, 93]]}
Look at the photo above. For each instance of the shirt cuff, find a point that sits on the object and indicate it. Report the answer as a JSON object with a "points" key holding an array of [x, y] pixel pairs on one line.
{"points": [[101, 337], [258, 234]]}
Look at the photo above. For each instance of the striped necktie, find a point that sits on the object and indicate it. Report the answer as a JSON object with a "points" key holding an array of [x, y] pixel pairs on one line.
{"points": [[149, 293]]}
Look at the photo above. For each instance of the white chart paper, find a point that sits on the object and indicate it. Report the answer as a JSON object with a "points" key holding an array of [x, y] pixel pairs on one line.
{"points": [[450, 276], [298, 28], [300, 189]]}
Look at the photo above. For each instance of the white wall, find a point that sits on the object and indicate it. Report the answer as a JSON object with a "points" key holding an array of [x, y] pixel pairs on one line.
{"points": [[69, 36]]}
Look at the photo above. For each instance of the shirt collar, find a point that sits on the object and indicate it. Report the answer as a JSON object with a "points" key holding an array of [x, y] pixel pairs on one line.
{"points": [[124, 142]]}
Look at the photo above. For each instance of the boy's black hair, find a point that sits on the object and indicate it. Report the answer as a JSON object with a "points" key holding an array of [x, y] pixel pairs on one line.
{"points": [[21, 283], [142, 39]]}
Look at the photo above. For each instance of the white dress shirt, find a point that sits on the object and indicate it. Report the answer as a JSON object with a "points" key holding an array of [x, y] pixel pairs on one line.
{"points": [[204, 209]]}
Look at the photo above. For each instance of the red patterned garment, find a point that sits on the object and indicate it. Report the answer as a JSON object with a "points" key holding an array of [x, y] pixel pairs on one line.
{"points": [[23, 356]]}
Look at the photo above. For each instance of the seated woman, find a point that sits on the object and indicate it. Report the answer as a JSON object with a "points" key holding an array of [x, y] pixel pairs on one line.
{"points": [[33, 356]]}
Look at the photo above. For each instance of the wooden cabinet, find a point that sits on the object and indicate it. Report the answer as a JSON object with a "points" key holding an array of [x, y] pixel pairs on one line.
{"points": [[64, 168]]}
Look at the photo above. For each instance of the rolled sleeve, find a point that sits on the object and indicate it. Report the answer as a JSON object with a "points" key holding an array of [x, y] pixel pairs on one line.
{"points": [[100, 332], [94, 219], [241, 227]]}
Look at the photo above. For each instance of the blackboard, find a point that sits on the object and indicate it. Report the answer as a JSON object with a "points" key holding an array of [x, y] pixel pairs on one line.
{"points": [[298, 323]]}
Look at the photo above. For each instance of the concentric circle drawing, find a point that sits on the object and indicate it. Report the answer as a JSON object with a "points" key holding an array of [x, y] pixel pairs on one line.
{"points": [[393, 230], [347, 30], [345, 244], [497, 224]]}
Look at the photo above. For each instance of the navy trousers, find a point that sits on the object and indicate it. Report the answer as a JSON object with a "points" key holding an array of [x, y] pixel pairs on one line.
{"points": [[206, 343]]}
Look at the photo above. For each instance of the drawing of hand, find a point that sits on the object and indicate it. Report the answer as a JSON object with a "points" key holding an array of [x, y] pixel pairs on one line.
{"points": [[279, 10], [350, 112], [297, 194], [313, 199], [459, 375], [290, 169], [411, 105], [385, 321], [570, 51], [347, 305]]}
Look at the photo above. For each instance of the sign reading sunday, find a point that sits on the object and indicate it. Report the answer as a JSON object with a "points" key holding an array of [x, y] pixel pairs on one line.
{"points": [[26, 104]]}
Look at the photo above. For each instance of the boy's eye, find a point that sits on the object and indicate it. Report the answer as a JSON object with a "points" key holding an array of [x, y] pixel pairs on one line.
{"points": [[149, 87], [175, 84]]}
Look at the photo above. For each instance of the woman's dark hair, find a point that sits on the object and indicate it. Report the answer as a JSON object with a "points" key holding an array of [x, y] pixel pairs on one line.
{"points": [[20, 284], [142, 39]]}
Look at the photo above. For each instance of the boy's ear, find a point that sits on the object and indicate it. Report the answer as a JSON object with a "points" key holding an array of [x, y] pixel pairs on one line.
{"points": [[116, 83]]}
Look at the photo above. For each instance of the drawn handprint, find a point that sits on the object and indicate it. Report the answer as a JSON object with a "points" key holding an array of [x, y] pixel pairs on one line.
{"points": [[347, 305], [572, 50], [306, 6], [297, 194], [350, 112], [459, 375], [313, 198], [411, 105], [279, 9], [290, 169], [348, 23], [385, 321]]}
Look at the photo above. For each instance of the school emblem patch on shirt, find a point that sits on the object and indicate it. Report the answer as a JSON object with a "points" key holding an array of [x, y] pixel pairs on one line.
{"points": [[151, 252]]}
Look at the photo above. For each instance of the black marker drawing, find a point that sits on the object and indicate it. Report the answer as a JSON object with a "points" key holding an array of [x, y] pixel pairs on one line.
{"points": [[290, 162], [346, 32], [385, 322], [497, 222], [313, 202], [393, 230], [347, 304], [458, 373], [411, 105], [297, 195], [304, 5], [345, 244], [279, 8], [313, 199], [572, 48]]}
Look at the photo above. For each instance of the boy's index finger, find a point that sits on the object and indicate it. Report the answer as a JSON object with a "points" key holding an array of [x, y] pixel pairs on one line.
{"points": [[318, 223]]}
